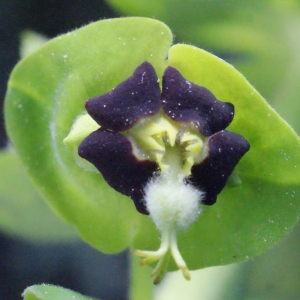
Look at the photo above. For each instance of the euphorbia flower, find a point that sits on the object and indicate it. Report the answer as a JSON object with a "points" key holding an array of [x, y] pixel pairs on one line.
{"points": [[168, 151]]}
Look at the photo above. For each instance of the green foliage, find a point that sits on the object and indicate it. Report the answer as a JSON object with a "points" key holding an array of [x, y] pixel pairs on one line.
{"points": [[273, 275], [23, 213], [50, 292], [47, 91], [260, 38]]}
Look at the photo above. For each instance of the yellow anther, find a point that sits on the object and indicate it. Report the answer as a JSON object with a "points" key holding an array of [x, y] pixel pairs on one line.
{"points": [[167, 143], [148, 142], [195, 148], [166, 126], [158, 139], [149, 129], [187, 166], [159, 160], [195, 143], [187, 136]]}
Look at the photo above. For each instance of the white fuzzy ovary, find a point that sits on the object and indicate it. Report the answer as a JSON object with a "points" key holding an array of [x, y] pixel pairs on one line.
{"points": [[171, 202]]}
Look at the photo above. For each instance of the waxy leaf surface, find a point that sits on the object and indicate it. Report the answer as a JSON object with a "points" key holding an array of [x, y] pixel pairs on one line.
{"points": [[47, 91], [23, 213]]}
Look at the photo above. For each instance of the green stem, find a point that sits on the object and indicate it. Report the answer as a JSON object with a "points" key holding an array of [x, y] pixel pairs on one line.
{"points": [[141, 286]]}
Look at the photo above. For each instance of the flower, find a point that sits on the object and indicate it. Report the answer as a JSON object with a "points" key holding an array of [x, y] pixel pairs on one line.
{"points": [[168, 151]]}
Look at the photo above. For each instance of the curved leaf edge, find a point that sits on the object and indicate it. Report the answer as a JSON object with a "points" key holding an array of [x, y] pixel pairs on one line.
{"points": [[52, 292]]}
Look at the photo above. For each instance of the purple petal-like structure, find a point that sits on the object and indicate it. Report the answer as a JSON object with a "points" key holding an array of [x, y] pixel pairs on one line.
{"points": [[186, 102], [225, 151], [136, 97], [112, 154]]}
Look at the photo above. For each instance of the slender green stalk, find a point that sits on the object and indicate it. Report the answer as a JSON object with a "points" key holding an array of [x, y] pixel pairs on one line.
{"points": [[141, 287]]}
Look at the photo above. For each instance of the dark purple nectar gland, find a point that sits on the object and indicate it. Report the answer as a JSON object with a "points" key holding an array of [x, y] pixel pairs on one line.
{"points": [[167, 151]]}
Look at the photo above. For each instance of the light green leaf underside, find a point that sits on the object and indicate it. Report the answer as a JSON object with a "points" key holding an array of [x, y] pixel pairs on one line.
{"points": [[47, 92], [23, 213], [51, 292]]}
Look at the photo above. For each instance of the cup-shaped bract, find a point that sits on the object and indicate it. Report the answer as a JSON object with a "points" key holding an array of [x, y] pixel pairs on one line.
{"points": [[47, 91]]}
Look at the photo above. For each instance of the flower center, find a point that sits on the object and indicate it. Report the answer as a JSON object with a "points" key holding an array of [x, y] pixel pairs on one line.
{"points": [[170, 144]]}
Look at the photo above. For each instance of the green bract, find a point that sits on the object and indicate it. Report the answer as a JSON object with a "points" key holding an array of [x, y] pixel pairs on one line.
{"points": [[47, 92], [23, 213]]}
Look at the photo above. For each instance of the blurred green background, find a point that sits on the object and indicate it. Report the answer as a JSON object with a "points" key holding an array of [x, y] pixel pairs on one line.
{"points": [[261, 38]]}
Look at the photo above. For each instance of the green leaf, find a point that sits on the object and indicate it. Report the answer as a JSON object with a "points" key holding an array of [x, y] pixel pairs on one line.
{"points": [[23, 213], [248, 219], [274, 275], [47, 91], [51, 292], [260, 38]]}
